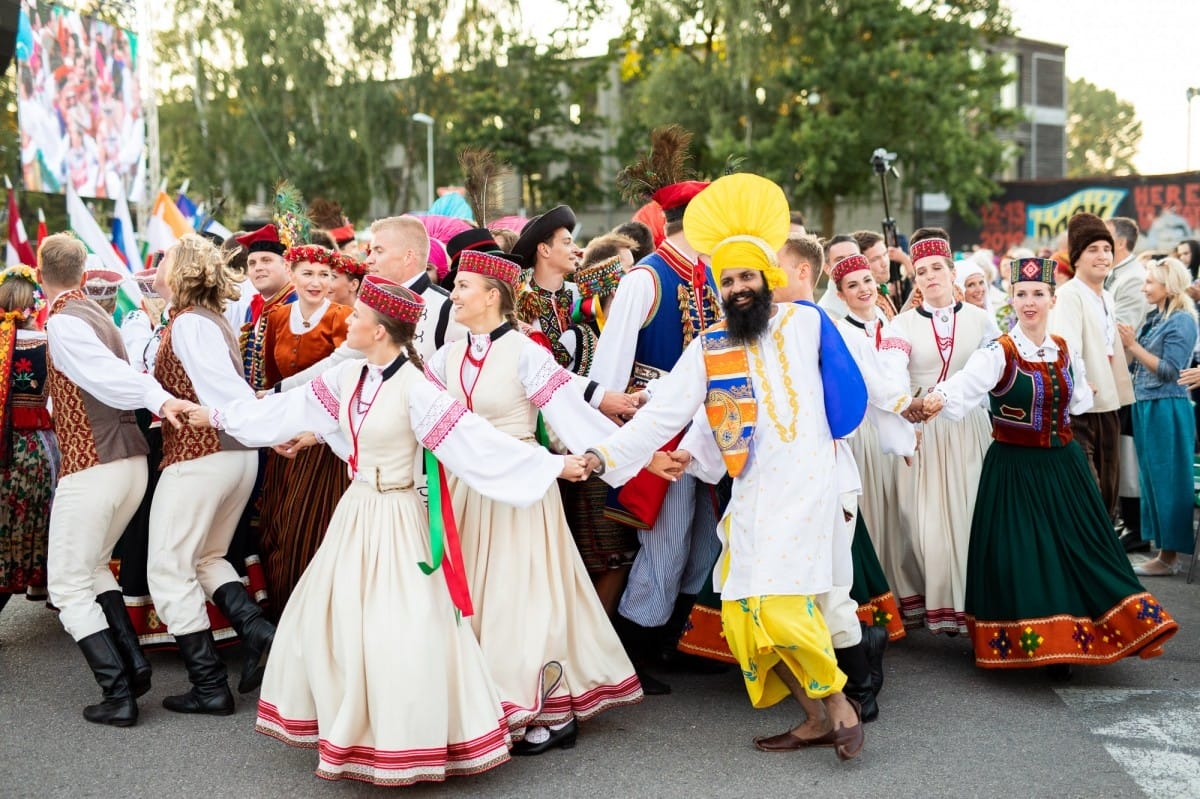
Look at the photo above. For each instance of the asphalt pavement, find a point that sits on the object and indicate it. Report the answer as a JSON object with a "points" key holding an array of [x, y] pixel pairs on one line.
{"points": [[947, 729]]}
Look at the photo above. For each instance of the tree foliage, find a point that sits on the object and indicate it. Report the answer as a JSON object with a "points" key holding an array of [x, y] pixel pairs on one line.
{"points": [[806, 90], [323, 94], [1103, 131]]}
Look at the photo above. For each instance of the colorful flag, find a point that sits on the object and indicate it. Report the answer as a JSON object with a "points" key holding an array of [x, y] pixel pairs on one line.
{"points": [[18, 250], [123, 240], [186, 207], [167, 224], [42, 232], [84, 225]]}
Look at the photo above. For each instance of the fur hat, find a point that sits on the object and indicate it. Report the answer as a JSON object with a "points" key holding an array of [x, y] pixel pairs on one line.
{"points": [[1082, 230]]}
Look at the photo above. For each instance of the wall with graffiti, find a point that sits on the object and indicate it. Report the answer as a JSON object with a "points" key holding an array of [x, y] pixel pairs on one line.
{"points": [[1035, 213]]}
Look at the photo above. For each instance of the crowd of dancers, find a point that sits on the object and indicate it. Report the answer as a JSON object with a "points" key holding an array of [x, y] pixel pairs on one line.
{"points": [[455, 495]]}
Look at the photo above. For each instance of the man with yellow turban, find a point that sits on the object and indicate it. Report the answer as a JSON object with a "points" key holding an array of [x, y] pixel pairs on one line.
{"points": [[765, 409]]}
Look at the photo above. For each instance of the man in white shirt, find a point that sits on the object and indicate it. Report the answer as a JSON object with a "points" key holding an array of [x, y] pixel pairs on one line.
{"points": [[783, 534], [1085, 316], [103, 476]]}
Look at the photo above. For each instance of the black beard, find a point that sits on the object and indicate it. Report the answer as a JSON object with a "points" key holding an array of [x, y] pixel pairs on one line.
{"points": [[746, 325]]}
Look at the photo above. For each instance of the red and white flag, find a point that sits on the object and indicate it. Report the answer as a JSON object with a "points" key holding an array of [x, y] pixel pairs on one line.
{"points": [[42, 233], [18, 250]]}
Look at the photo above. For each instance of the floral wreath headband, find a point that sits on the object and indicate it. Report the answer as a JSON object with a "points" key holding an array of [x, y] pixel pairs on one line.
{"points": [[39, 299]]}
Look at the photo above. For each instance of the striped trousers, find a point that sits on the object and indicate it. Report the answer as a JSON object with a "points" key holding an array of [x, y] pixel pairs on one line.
{"points": [[676, 556]]}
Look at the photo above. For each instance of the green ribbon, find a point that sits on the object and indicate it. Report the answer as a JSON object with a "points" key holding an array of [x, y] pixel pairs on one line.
{"points": [[437, 526]]}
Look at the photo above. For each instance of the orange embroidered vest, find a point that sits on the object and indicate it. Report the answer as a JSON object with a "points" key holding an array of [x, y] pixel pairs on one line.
{"points": [[89, 432], [189, 443]]}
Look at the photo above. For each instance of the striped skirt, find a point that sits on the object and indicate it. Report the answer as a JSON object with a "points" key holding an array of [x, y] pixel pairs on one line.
{"points": [[298, 499]]}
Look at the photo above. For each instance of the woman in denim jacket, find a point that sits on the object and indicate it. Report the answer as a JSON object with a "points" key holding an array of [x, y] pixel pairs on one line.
{"points": [[1164, 427]]}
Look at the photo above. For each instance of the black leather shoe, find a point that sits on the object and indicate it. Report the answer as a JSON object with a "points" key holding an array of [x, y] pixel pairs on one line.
{"points": [[652, 686], [104, 658], [563, 738], [256, 632], [210, 692], [137, 668], [1133, 542]]}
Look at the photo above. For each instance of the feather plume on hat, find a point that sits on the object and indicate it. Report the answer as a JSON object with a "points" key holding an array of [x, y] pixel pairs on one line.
{"points": [[291, 220], [481, 176], [666, 163]]}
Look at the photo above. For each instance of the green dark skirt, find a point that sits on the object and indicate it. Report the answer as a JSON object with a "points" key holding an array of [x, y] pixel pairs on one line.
{"points": [[1047, 580], [876, 604]]}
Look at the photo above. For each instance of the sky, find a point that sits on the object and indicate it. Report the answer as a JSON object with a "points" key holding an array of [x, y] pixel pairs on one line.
{"points": [[1147, 51]]}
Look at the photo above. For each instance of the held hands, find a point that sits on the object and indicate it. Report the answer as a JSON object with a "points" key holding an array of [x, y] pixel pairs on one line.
{"points": [[915, 412], [933, 405], [174, 408], [290, 449], [575, 468], [669, 465], [621, 407], [200, 417]]}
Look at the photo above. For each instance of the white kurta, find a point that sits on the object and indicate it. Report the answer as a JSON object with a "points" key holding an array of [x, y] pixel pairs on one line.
{"points": [[781, 529], [926, 559]]}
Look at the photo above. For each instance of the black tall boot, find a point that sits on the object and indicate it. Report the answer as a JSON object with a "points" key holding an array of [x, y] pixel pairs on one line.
{"points": [[641, 644], [853, 661], [252, 626], [104, 658], [669, 655], [874, 641], [137, 668], [210, 687]]}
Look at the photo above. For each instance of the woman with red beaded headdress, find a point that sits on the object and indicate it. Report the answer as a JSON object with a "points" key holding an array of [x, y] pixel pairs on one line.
{"points": [[926, 563], [548, 642], [373, 665], [300, 489]]}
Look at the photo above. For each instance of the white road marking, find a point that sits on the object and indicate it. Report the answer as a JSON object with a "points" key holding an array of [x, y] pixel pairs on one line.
{"points": [[1151, 734]]}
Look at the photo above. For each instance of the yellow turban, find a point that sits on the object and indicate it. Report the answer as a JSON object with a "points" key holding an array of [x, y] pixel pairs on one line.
{"points": [[740, 221]]}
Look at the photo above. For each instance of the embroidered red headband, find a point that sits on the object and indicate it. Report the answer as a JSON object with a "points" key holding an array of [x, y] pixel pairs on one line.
{"points": [[391, 299], [488, 265], [930, 247], [348, 264], [308, 252], [852, 263]]}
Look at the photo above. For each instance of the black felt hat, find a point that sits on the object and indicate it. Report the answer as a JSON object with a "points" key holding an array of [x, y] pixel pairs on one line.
{"points": [[540, 229]]}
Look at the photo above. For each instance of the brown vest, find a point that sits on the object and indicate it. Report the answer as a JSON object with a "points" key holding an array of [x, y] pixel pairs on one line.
{"points": [[189, 443], [89, 432]]}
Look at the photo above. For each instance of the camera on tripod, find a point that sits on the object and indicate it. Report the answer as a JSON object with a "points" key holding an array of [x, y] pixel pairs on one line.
{"points": [[881, 162]]}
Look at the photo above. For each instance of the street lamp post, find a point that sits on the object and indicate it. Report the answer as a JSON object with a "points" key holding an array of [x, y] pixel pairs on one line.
{"points": [[1192, 94], [427, 121]]}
